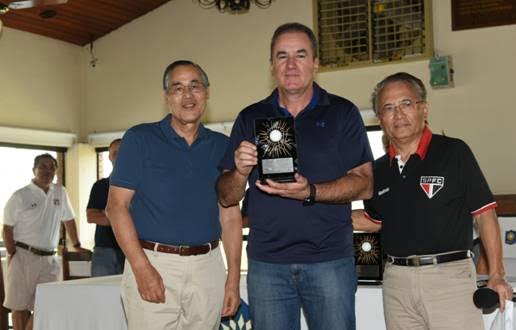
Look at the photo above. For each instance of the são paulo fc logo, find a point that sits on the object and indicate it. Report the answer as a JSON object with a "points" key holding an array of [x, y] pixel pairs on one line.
{"points": [[431, 185]]}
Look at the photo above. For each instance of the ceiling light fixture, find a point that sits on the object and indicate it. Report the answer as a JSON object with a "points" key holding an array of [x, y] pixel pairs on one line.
{"points": [[234, 6]]}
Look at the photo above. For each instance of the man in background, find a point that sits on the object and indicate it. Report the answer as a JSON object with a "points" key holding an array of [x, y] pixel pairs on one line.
{"points": [[108, 258], [32, 219]]}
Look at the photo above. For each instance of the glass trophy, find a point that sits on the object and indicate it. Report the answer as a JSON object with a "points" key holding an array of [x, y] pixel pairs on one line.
{"points": [[275, 140]]}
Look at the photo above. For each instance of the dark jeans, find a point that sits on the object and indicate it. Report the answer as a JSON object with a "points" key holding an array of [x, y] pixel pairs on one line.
{"points": [[107, 261]]}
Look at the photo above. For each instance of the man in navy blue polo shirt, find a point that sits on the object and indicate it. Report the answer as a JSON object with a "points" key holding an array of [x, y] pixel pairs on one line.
{"points": [[108, 258], [428, 189], [300, 247], [164, 212]]}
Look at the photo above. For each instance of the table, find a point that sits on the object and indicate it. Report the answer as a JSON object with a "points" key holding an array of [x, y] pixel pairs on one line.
{"points": [[86, 304], [95, 303]]}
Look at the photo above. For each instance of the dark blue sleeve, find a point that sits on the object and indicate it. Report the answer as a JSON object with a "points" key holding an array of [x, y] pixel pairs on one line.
{"points": [[356, 145], [128, 169], [236, 137], [98, 196]]}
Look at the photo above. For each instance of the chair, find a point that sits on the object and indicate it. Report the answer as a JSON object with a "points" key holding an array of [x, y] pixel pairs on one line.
{"points": [[76, 265], [4, 312]]}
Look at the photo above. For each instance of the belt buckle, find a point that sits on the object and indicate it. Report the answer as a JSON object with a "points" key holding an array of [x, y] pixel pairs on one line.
{"points": [[416, 261], [182, 250]]}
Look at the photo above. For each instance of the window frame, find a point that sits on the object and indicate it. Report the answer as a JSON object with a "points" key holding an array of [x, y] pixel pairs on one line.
{"points": [[428, 40]]}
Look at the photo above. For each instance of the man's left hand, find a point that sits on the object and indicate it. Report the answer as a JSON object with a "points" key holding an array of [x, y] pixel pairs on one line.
{"points": [[231, 300], [504, 290], [300, 189]]}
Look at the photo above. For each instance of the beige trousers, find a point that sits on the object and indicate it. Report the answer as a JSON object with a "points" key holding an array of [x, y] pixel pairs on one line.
{"points": [[431, 297], [194, 293], [25, 271]]}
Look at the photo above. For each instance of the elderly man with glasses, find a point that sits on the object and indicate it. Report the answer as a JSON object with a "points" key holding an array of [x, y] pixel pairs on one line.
{"points": [[164, 212], [428, 189]]}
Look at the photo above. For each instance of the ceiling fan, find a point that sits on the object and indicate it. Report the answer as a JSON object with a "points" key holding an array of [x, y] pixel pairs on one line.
{"points": [[24, 4]]}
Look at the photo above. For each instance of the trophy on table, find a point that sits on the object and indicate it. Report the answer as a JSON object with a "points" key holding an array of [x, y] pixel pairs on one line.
{"points": [[275, 140], [369, 259]]}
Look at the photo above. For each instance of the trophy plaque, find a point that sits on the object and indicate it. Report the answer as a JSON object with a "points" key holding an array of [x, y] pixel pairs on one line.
{"points": [[369, 259], [276, 144]]}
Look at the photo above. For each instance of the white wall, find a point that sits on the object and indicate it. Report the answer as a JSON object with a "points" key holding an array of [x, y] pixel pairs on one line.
{"points": [[125, 87], [40, 81]]}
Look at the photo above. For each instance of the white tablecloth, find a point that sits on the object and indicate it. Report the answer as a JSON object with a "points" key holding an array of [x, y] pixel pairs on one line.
{"points": [[87, 304], [95, 304]]}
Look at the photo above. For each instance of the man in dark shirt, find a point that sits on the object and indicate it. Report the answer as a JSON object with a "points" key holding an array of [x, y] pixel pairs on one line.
{"points": [[428, 188], [108, 258], [300, 248]]}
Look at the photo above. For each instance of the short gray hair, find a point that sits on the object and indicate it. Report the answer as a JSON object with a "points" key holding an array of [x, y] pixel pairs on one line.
{"points": [[404, 77]]}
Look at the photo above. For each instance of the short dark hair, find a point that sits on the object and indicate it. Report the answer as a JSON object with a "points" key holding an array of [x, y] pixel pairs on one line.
{"points": [[38, 158], [404, 77], [293, 28], [173, 65]]}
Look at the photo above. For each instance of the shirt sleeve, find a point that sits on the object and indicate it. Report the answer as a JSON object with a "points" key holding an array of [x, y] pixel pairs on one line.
{"points": [[236, 137], [355, 139], [479, 197], [68, 213], [11, 210], [128, 169], [370, 211], [97, 197]]}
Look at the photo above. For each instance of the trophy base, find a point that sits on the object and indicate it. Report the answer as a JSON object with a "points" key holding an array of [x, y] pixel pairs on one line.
{"points": [[280, 177]]}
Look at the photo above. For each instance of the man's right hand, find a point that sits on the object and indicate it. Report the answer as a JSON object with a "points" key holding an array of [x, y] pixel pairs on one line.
{"points": [[246, 157], [150, 284]]}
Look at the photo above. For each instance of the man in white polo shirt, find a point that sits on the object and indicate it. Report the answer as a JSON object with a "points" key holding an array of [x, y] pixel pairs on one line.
{"points": [[32, 219]]}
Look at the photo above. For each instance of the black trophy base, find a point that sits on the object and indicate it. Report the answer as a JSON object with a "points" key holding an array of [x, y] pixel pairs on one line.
{"points": [[279, 177]]}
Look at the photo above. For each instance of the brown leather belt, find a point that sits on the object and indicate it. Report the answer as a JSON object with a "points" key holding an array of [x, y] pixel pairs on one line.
{"points": [[433, 259], [182, 250], [34, 250]]}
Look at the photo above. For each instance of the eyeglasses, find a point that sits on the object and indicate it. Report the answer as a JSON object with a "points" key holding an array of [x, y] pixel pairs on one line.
{"points": [[405, 106], [180, 89], [46, 168]]}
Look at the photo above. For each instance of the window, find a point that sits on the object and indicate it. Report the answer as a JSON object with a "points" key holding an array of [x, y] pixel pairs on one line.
{"points": [[17, 169], [104, 165], [359, 32]]}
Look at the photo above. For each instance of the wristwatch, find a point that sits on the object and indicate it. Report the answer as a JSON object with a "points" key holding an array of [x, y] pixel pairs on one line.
{"points": [[310, 200]]}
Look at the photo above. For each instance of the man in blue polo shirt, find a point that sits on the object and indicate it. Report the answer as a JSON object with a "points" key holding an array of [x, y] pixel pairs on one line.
{"points": [[300, 248], [428, 188], [164, 212]]}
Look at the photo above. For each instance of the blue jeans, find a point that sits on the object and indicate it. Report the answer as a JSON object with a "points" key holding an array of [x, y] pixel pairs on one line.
{"points": [[107, 261], [325, 291]]}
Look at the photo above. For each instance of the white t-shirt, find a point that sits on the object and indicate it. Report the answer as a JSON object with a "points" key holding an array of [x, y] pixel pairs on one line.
{"points": [[36, 217]]}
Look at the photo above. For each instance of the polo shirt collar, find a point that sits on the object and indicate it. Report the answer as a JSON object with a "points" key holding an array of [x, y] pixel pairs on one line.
{"points": [[319, 97], [37, 188], [422, 147], [172, 134]]}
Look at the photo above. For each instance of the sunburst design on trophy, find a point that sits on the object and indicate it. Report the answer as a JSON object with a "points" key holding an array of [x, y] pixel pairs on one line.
{"points": [[367, 249], [276, 139]]}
